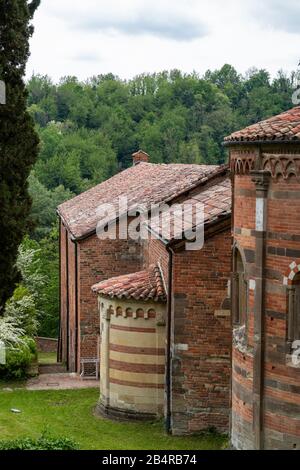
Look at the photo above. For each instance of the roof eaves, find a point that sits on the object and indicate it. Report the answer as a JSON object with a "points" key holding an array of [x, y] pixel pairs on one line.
{"points": [[229, 143]]}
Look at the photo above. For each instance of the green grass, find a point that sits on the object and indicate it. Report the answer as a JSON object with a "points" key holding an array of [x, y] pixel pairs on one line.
{"points": [[11, 384], [47, 357], [69, 413]]}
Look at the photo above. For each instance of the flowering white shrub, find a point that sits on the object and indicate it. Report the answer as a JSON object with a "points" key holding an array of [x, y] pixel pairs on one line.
{"points": [[20, 317], [10, 333]]}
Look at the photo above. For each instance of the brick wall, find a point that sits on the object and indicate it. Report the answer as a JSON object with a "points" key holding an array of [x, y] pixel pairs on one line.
{"points": [[201, 337], [63, 341], [155, 252], [46, 344], [280, 394], [99, 260], [68, 300], [72, 306], [95, 260]]}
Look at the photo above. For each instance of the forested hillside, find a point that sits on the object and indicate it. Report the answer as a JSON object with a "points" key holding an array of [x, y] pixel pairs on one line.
{"points": [[89, 130]]}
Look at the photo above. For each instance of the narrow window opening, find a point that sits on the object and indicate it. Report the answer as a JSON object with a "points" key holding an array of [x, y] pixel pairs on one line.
{"points": [[294, 311], [239, 290]]}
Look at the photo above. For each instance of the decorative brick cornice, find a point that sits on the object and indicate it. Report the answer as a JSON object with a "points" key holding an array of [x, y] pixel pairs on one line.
{"points": [[242, 162], [282, 165], [279, 165]]}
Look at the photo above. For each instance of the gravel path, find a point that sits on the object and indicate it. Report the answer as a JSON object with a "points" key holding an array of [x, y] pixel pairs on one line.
{"points": [[60, 382]]}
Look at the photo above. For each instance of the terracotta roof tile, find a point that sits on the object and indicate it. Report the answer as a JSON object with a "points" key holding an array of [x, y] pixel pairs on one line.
{"points": [[283, 127], [216, 201], [142, 285], [144, 183]]}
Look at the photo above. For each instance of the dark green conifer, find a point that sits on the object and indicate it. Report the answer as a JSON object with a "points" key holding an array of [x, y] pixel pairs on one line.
{"points": [[18, 139]]}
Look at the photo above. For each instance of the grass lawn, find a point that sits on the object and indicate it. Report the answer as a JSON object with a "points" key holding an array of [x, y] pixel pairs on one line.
{"points": [[47, 358], [69, 413]]}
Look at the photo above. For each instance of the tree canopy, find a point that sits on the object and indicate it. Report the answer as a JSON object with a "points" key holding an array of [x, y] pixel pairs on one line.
{"points": [[90, 129]]}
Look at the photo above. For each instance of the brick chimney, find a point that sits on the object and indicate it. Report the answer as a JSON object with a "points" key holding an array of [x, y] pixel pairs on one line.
{"points": [[140, 156]]}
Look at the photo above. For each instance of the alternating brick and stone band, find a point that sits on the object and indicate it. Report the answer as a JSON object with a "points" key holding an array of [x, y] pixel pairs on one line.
{"points": [[132, 317], [264, 160]]}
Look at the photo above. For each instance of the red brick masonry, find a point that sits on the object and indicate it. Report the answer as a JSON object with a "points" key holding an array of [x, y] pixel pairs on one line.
{"points": [[46, 344]]}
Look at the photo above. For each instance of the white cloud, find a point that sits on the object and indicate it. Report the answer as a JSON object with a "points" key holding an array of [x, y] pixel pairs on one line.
{"points": [[127, 37], [280, 15], [173, 20]]}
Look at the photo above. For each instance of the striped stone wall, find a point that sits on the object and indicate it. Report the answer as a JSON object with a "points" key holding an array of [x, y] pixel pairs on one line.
{"points": [[132, 355], [265, 382]]}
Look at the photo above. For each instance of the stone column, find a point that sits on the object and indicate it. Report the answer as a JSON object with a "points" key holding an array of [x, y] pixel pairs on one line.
{"points": [[235, 298], [104, 355], [261, 180], [291, 317]]}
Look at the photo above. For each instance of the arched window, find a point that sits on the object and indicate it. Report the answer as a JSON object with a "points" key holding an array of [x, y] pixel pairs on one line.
{"points": [[119, 311], [294, 310], [239, 289]]}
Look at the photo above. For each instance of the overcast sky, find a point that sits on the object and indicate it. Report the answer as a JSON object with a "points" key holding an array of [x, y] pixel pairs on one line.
{"points": [[128, 37]]}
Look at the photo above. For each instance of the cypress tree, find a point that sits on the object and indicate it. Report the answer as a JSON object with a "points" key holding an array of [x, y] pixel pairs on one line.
{"points": [[18, 139]]}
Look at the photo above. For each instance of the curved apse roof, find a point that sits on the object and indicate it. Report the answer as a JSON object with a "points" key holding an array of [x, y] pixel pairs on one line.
{"points": [[284, 127]]}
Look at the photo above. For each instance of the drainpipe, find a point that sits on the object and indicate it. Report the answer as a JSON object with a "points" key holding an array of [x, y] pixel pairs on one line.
{"points": [[261, 179], [77, 369], [68, 304], [59, 349], [168, 346]]}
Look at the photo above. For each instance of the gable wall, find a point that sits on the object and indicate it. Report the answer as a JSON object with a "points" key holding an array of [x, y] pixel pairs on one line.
{"points": [[68, 299], [100, 260], [155, 252], [201, 337]]}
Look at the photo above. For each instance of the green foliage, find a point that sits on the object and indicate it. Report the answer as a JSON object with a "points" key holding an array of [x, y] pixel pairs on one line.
{"points": [[18, 140], [10, 332], [21, 309], [18, 359], [89, 124], [44, 442], [35, 303], [29, 265], [24, 308], [48, 304], [44, 204], [75, 159]]}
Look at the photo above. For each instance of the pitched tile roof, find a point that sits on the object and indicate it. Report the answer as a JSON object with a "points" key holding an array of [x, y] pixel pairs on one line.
{"points": [[214, 198], [284, 127], [142, 285], [144, 183]]}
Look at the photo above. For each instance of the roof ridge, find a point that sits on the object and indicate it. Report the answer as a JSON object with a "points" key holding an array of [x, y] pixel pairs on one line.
{"points": [[202, 181]]}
